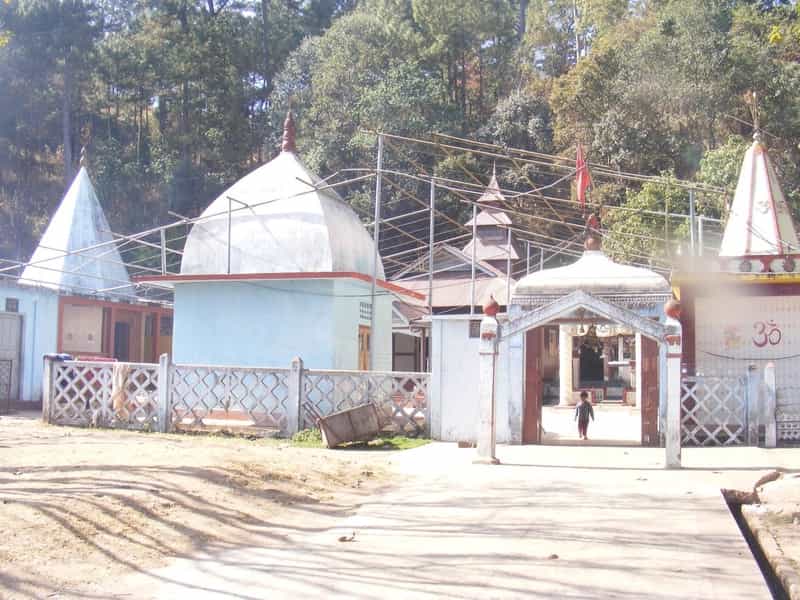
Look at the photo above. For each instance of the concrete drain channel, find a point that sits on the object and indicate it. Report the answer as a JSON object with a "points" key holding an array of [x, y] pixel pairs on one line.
{"points": [[735, 499]]}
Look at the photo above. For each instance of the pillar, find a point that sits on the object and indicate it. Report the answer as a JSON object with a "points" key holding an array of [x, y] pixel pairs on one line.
{"points": [[294, 400], [606, 358], [770, 402], [164, 394], [564, 366], [638, 369], [673, 414], [487, 430]]}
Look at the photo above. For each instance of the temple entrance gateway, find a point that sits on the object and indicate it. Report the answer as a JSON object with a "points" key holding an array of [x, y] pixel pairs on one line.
{"points": [[615, 343]]}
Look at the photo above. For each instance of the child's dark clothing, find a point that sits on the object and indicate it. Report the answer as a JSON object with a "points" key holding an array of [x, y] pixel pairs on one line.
{"points": [[583, 411]]}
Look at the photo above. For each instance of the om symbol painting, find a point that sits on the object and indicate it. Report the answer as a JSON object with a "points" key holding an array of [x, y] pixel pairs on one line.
{"points": [[766, 332]]}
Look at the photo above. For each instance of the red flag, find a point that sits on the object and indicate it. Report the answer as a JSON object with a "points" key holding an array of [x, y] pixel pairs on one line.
{"points": [[582, 177]]}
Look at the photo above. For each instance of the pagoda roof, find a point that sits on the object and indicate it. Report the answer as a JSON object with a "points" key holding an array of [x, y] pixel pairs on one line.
{"points": [[492, 194]]}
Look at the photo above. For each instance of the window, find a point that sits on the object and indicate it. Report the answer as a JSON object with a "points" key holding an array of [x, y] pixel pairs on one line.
{"points": [[149, 325], [12, 305], [365, 310], [474, 329], [166, 326]]}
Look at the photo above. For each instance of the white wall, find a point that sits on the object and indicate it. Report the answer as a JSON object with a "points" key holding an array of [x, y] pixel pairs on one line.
{"points": [[455, 381], [254, 323], [39, 310], [732, 332], [82, 328], [268, 323]]}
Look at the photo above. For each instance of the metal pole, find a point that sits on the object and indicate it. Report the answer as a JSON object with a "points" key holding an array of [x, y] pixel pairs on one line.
{"points": [[229, 235], [700, 220], [474, 248], [163, 252], [430, 247], [541, 259], [508, 270], [691, 221], [376, 231], [527, 258]]}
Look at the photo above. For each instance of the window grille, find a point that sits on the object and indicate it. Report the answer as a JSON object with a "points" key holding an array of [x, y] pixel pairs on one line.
{"points": [[365, 310], [474, 329]]}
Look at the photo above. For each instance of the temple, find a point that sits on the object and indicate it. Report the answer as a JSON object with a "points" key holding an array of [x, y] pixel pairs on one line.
{"points": [[278, 267], [739, 309]]}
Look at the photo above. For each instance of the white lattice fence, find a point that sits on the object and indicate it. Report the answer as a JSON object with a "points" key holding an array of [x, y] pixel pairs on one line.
{"points": [[121, 395], [787, 414], [401, 397], [714, 411], [212, 396]]}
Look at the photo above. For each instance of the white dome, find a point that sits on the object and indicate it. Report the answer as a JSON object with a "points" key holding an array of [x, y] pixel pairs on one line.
{"points": [[596, 274], [289, 226]]}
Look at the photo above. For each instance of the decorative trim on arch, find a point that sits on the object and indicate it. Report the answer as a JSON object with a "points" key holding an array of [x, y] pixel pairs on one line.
{"points": [[580, 299]]}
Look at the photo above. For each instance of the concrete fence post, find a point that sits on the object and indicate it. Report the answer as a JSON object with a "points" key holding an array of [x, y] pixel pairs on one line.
{"points": [[487, 431], [770, 404], [164, 393], [294, 401], [47, 388], [754, 405], [673, 356]]}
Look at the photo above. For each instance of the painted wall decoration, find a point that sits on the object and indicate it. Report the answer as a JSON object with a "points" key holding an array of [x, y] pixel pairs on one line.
{"points": [[734, 332]]}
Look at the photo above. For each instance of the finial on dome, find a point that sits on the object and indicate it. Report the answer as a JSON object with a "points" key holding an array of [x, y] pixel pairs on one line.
{"points": [[491, 307], [289, 131], [82, 160], [752, 101], [592, 233]]}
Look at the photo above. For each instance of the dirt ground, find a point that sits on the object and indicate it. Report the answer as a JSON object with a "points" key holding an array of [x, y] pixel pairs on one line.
{"points": [[82, 508]]}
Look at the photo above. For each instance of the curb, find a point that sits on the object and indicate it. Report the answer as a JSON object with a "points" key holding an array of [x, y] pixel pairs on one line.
{"points": [[783, 568]]}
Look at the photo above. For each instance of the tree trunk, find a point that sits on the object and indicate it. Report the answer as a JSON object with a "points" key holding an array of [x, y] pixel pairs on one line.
{"points": [[66, 120], [522, 18], [265, 37]]}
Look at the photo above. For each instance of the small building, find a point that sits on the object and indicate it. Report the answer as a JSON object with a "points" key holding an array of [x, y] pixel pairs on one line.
{"points": [[74, 296], [277, 267], [452, 281]]}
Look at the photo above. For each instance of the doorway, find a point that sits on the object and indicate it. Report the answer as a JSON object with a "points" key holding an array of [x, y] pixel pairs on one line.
{"points": [[122, 341], [10, 351], [363, 347], [624, 418]]}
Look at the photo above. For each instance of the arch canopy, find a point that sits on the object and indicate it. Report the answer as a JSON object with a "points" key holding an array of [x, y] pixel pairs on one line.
{"points": [[569, 305]]}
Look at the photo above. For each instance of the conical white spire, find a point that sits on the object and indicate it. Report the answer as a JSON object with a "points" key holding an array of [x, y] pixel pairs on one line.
{"points": [[759, 222], [62, 261]]}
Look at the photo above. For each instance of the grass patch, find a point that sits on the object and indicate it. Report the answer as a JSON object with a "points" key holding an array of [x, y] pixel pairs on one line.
{"points": [[312, 438], [307, 438]]}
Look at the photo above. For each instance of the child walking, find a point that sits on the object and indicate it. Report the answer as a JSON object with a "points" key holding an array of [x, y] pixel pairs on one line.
{"points": [[583, 411]]}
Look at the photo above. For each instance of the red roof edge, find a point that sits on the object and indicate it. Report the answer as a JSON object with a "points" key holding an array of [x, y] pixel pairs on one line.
{"points": [[392, 287]]}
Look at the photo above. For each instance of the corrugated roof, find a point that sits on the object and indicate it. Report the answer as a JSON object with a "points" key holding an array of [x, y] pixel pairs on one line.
{"points": [[450, 291], [61, 261]]}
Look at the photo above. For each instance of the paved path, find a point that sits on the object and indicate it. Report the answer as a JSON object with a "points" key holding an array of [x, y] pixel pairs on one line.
{"points": [[550, 522], [612, 424]]}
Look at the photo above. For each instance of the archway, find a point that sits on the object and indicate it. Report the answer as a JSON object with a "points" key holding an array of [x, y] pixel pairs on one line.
{"points": [[524, 336]]}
